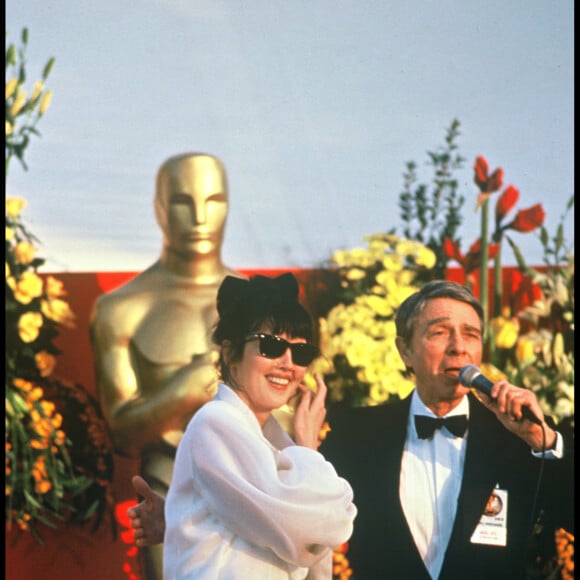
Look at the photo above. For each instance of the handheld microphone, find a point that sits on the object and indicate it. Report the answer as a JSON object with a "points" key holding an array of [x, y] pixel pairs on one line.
{"points": [[471, 376]]}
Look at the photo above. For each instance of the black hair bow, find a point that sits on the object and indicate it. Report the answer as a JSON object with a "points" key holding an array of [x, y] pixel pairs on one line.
{"points": [[235, 292]]}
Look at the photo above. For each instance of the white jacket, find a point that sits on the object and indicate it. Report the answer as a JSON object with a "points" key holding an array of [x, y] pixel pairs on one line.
{"points": [[247, 503]]}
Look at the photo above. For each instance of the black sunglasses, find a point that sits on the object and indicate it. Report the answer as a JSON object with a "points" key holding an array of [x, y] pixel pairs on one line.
{"points": [[303, 353]]}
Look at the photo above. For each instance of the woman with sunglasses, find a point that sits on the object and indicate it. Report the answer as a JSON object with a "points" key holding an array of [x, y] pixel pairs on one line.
{"points": [[245, 500]]}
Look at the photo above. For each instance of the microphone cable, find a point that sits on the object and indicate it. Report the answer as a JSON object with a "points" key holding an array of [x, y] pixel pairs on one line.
{"points": [[533, 519]]}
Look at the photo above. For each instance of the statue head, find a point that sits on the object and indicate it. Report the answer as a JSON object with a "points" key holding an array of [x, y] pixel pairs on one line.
{"points": [[191, 203]]}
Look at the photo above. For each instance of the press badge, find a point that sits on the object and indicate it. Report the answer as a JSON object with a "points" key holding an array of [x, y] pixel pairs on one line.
{"points": [[492, 527]]}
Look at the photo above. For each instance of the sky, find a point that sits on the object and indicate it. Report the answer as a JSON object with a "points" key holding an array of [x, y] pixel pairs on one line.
{"points": [[314, 107]]}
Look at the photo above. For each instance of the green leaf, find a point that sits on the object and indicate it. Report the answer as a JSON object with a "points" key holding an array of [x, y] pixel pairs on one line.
{"points": [[48, 68], [46, 521], [517, 253], [559, 239], [11, 56], [91, 510], [32, 499]]}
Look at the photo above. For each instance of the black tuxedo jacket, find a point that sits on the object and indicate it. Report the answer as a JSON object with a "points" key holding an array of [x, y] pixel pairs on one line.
{"points": [[366, 446]]}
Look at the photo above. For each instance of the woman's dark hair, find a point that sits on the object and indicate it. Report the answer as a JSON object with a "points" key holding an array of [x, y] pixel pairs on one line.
{"points": [[245, 306]]}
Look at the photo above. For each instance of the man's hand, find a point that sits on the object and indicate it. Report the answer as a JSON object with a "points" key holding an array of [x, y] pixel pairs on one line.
{"points": [[507, 402], [147, 518]]}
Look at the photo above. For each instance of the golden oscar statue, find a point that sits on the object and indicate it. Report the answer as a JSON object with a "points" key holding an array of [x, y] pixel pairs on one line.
{"points": [[151, 337]]}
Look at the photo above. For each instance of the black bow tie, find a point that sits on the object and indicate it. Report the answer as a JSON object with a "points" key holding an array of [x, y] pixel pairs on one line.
{"points": [[426, 426]]}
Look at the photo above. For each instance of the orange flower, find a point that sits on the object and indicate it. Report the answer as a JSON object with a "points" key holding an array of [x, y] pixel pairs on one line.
{"points": [[45, 363], [23, 385]]}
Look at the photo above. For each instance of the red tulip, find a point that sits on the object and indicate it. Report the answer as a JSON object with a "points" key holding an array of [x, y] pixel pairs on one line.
{"points": [[527, 220], [495, 181], [526, 294], [481, 168], [472, 260], [506, 202], [487, 183], [452, 250]]}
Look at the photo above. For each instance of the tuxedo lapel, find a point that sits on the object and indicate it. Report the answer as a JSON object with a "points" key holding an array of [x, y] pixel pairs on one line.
{"points": [[409, 562], [479, 479], [481, 459]]}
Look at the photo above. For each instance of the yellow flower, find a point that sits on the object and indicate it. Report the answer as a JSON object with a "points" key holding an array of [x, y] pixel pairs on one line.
{"points": [[26, 288], [18, 103], [59, 311], [506, 331], [11, 87], [425, 257], [492, 372], [36, 90], [9, 234], [563, 408], [29, 325], [355, 274], [54, 288], [45, 363], [9, 128], [393, 262], [379, 393], [24, 252], [558, 351], [525, 350], [45, 103], [14, 206]]}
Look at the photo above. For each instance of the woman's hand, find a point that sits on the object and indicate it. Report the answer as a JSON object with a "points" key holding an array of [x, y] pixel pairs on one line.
{"points": [[310, 414]]}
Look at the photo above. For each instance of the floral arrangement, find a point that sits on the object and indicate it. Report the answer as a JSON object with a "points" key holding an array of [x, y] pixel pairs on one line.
{"points": [[530, 337], [49, 477], [565, 554], [58, 462], [529, 334], [23, 112], [359, 361]]}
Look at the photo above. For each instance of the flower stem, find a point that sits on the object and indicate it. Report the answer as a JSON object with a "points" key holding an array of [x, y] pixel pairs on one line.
{"points": [[497, 283], [483, 278]]}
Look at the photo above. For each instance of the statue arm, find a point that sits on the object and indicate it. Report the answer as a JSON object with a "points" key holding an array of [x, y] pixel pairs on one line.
{"points": [[137, 418], [141, 420]]}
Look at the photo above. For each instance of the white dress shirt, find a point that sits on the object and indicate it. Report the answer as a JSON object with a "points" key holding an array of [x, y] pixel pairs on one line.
{"points": [[246, 502], [430, 482]]}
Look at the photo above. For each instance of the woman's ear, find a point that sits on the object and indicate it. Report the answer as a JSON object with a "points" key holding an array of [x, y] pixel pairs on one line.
{"points": [[227, 352]]}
